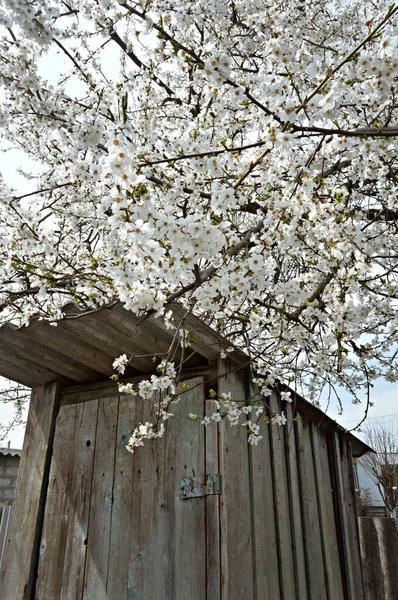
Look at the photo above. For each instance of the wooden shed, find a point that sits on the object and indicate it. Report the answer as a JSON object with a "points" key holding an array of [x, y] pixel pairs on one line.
{"points": [[196, 515]]}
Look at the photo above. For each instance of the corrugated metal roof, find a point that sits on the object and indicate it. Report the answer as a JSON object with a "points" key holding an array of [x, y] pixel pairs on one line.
{"points": [[10, 451], [83, 346]]}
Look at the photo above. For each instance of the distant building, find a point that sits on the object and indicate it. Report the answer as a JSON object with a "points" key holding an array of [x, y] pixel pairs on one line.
{"points": [[370, 500], [9, 464]]}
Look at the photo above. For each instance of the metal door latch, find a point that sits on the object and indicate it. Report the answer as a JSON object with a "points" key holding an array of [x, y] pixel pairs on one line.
{"points": [[197, 487]]}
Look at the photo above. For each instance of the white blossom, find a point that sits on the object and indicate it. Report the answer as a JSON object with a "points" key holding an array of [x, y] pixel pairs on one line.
{"points": [[246, 165]]}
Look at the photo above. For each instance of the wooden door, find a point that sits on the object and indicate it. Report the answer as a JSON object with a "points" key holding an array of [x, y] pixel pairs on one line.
{"points": [[115, 524]]}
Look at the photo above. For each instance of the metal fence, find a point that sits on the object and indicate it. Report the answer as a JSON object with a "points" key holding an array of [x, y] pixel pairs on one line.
{"points": [[5, 519]]}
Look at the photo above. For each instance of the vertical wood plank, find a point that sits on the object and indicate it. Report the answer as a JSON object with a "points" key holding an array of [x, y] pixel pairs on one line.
{"points": [[168, 533], [311, 523], [295, 506], [235, 513], [150, 544], [282, 504], [80, 497], [95, 576], [57, 509], [213, 580], [123, 491], [352, 519], [328, 524], [267, 565], [20, 565], [185, 451], [343, 520]]}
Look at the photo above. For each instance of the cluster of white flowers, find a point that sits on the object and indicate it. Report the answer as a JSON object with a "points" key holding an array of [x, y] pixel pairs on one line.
{"points": [[120, 363], [148, 431], [279, 419], [239, 156], [234, 412], [287, 396]]}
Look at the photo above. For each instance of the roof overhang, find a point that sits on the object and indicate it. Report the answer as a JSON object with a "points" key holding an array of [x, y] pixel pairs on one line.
{"points": [[81, 348]]}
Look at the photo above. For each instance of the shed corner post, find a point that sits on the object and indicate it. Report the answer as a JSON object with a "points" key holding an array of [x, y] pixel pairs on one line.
{"points": [[18, 576]]}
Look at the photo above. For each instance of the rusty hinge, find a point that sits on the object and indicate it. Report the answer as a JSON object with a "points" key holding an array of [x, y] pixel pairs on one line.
{"points": [[196, 487]]}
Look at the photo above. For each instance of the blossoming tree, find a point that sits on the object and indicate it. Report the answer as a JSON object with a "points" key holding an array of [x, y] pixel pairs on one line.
{"points": [[238, 155]]}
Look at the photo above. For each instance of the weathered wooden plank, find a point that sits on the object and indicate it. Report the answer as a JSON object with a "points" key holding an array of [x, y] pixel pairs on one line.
{"points": [[151, 541], [20, 369], [57, 509], [282, 504], [150, 336], [20, 565], [316, 576], [106, 337], [107, 389], [58, 338], [266, 555], [352, 518], [96, 571], [207, 342], [124, 322], [237, 579], [49, 358], [213, 566], [80, 499], [122, 527], [341, 510], [185, 457], [326, 513], [168, 533], [295, 506]]}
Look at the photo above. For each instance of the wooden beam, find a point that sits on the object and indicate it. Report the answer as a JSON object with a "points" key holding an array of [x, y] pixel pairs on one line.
{"points": [[18, 343], [106, 389], [25, 371], [20, 566]]}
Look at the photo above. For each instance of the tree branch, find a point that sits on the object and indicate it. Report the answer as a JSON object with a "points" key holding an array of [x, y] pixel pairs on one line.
{"points": [[116, 38]]}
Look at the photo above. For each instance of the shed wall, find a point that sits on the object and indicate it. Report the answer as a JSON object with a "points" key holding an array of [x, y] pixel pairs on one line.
{"points": [[115, 526]]}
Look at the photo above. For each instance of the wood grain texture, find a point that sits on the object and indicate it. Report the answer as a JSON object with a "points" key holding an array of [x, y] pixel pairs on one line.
{"points": [[168, 542], [295, 506], [20, 565], [343, 516], [80, 500], [45, 357], [212, 503], [25, 371], [58, 507], [235, 513], [267, 564], [311, 521], [186, 453], [103, 337], [326, 511], [282, 503], [97, 558], [352, 519], [59, 339], [125, 483], [149, 570]]}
